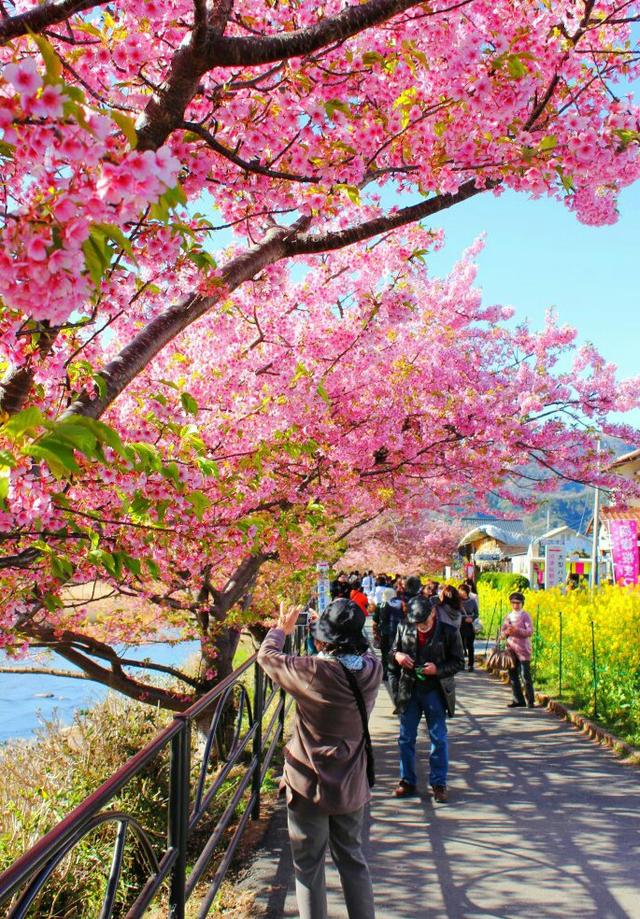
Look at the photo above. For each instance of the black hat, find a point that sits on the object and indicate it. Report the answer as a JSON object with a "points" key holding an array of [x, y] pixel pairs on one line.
{"points": [[413, 585], [419, 609], [516, 595], [340, 624]]}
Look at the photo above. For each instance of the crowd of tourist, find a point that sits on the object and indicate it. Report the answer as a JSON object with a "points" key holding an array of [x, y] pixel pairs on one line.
{"points": [[424, 634]]}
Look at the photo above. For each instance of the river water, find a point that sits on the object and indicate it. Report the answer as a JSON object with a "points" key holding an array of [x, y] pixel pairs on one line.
{"points": [[28, 699]]}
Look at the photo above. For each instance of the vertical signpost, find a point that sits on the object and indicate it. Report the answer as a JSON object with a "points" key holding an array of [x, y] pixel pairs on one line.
{"points": [[324, 585], [554, 568]]}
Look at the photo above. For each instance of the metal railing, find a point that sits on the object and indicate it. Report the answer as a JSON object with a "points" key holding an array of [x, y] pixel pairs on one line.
{"points": [[245, 729]]}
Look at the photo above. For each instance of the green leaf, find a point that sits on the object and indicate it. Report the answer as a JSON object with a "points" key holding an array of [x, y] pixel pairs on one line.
{"points": [[26, 420], [176, 196], [51, 60], [6, 150], [154, 569], [337, 105], [301, 371], [549, 142], [101, 384], [115, 234], [371, 57], [4, 487], [61, 567], [58, 457], [106, 560], [140, 505], [202, 259], [407, 98], [208, 467], [104, 433], [7, 459], [419, 254], [134, 565], [324, 395], [171, 471], [199, 501], [351, 191], [167, 202], [189, 404], [52, 602], [95, 258], [76, 111], [144, 457], [75, 93], [74, 432], [127, 126], [516, 68]]}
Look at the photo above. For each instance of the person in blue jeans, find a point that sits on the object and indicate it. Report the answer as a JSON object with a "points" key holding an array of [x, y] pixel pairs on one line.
{"points": [[424, 658]]}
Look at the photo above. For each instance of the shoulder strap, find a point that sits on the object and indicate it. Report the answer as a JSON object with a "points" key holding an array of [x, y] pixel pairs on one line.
{"points": [[355, 689]]}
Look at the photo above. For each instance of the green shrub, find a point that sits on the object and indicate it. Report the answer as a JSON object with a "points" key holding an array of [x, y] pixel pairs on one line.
{"points": [[504, 580], [42, 780]]}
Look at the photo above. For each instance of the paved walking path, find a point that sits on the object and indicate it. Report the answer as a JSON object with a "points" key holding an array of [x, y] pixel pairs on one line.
{"points": [[541, 822]]}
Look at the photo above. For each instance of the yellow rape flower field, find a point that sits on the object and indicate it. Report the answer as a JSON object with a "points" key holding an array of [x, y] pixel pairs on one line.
{"points": [[593, 668]]}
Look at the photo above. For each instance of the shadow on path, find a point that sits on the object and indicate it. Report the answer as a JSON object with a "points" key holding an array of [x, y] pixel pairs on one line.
{"points": [[541, 822]]}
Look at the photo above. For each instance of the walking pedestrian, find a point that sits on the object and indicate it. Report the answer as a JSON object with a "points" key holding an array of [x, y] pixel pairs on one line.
{"points": [[369, 585], [340, 587], [430, 591], [381, 585], [386, 618], [470, 614], [517, 628], [424, 658], [361, 599], [325, 771]]}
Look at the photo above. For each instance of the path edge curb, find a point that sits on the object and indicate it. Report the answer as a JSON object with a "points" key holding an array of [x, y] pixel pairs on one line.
{"points": [[628, 755]]}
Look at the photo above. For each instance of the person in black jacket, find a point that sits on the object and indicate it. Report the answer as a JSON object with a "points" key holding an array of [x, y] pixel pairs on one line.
{"points": [[470, 614], [424, 658]]}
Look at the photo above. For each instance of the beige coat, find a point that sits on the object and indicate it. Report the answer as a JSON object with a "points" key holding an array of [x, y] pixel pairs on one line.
{"points": [[325, 760]]}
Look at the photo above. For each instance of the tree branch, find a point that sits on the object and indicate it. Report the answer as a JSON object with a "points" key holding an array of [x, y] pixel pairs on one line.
{"points": [[278, 243], [141, 692], [140, 351], [165, 111], [41, 17], [307, 243], [248, 166], [75, 648]]}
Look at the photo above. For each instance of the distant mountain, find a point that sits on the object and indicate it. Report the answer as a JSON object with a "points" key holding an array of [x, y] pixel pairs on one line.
{"points": [[570, 505]]}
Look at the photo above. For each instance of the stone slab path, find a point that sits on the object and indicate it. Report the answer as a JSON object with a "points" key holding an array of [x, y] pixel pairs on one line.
{"points": [[542, 822]]}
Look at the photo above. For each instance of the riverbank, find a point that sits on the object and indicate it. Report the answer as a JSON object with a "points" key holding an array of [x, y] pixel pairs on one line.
{"points": [[28, 700]]}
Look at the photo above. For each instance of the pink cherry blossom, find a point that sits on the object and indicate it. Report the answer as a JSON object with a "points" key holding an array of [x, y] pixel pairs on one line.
{"points": [[24, 76]]}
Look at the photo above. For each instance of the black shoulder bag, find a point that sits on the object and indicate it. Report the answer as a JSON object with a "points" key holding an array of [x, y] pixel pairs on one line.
{"points": [[355, 689]]}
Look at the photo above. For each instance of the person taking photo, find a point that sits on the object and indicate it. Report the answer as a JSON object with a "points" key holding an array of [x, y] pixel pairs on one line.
{"points": [[325, 771]]}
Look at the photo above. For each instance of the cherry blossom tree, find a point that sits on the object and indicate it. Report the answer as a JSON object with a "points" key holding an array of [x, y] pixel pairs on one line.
{"points": [[411, 543], [219, 340]]}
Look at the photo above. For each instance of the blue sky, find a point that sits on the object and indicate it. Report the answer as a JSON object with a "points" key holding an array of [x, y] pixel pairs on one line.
{"points": [[537, 255]]}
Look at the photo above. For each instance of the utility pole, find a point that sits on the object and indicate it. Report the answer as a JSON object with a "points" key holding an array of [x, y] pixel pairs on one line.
{"points": [[596, 529]]}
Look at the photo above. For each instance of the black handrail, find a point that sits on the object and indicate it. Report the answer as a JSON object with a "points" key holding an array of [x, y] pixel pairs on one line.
{"points": [[23, 881]]}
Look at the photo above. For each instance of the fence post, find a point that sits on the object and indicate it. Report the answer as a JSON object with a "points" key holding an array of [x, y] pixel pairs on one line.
{"points": [[536, 635], [486, 644], [560, 658], [258, 712], [179, 817], [594, 668]]}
